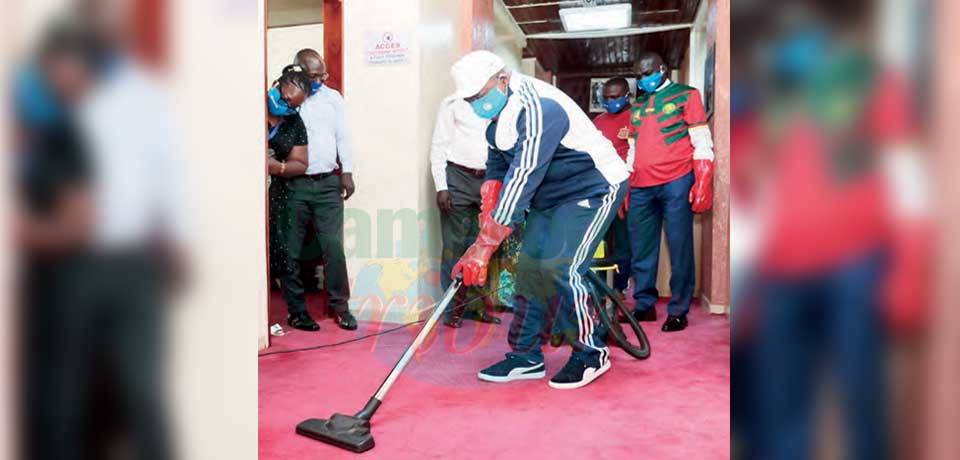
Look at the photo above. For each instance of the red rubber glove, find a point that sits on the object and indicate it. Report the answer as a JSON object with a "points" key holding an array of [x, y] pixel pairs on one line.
{"points": [[489, 192], [473, 264], [906, 290], [701, 194]]}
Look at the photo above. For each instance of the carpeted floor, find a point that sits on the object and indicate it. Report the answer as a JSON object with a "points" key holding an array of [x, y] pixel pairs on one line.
{"points": [[674, 405]]}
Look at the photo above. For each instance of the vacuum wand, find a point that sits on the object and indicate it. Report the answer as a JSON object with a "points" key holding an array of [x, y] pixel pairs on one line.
{"points": [[352, 432], [368, 410]]}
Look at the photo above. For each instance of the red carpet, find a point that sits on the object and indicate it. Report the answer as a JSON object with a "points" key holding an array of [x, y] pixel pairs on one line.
{"points": [[674, 405]]}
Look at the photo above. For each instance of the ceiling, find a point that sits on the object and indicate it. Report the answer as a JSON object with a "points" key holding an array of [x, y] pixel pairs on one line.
{"points": [[603, 55], [285, 13]]}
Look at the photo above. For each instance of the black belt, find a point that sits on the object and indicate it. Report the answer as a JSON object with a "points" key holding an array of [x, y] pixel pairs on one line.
{"points": [[474, 172], [318, 176]]}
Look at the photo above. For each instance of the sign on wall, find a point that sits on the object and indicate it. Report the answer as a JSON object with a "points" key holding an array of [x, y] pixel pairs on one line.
{"points": [[387, 48]]}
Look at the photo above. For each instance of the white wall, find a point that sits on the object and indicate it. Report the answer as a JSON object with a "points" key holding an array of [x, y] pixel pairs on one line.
{"points": [[215, 343], [696, 60], [510, 52], [439, 29], [391, 223], [699, 48], [509, 40], [382, 110], [528, 66], [284, 42]]}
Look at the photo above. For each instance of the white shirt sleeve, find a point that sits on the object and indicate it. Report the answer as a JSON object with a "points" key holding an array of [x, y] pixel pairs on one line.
{"points": [[906, 172], [344, 148], [442, 144], [702, 142]]}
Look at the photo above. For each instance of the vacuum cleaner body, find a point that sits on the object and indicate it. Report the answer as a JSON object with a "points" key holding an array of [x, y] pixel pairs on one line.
{"points": [[344, 431]]}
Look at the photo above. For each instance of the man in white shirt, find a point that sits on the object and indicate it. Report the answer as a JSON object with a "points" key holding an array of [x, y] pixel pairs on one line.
{"points": [[101, 226], [458, 160], [317, 197]]}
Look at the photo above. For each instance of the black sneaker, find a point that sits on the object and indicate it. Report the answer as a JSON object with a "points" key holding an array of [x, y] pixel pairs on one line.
{"points": [[576, 373], [302, 321], [511, 369]]}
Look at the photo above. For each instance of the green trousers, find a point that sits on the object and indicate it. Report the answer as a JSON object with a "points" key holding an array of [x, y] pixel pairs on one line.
{"points": [[315, 202]]}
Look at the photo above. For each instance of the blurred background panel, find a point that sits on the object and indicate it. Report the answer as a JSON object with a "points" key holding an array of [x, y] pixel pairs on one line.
{"points": [[196, 57], [840, 264]]}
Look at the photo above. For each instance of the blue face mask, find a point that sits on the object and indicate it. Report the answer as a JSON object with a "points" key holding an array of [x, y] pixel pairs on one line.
{"points": [[798, 54], [276, 105], [490, 104], [615, 105], [314, 87], [651, 82], [33, 99]]}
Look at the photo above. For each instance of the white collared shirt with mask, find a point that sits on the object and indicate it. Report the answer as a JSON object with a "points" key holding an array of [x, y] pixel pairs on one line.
{"points": [[459, 136], [329, 139]]}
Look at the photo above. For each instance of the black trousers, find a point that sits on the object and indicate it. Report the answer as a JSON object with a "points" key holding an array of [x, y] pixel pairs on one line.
{"points": [[93, 355]]}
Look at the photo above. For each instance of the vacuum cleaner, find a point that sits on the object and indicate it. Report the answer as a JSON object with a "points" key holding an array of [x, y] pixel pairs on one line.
{"points": [[352, 432]]}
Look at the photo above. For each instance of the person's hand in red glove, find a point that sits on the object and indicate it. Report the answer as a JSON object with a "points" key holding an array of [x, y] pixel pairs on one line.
{"points": [[701, 194], [473, 264], [905, 288]]}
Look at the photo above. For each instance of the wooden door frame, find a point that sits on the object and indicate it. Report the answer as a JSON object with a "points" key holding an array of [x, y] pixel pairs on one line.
{"points": [[333, 43]]}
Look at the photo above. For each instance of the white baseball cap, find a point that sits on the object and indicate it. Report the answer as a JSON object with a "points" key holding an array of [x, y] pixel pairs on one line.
{"points": [[472, 72]]}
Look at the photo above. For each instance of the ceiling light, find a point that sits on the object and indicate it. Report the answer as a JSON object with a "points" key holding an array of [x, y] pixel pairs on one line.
{"points": [[604, 17]]}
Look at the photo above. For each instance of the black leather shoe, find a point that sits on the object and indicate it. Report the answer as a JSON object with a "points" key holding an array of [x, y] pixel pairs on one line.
{"points": [[674, 323], [488, 318], [302, 321], [482, 317], [453, 320], [642, 316], [346, 321]]}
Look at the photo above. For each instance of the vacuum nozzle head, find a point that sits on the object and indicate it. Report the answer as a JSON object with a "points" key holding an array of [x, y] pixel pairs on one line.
{"points": [[344, 431]]}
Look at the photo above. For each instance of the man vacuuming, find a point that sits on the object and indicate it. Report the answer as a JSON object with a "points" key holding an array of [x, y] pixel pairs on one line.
{"points": [[548, 164]]}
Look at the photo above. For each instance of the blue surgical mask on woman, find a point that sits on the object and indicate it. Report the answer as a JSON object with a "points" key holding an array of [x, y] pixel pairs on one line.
{"points": [[651, 82], [276, 105], [490, 104], [314, 87], [615, 105]]}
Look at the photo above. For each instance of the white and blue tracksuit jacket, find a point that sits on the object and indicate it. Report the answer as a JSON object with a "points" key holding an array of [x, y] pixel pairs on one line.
{"points": [[547, 152]]}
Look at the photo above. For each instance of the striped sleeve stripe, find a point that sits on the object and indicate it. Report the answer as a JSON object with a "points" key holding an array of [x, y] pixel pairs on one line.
{"points": [[580, 292], [511, 194], [538, 129], [528, 157], [510, 186]]}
